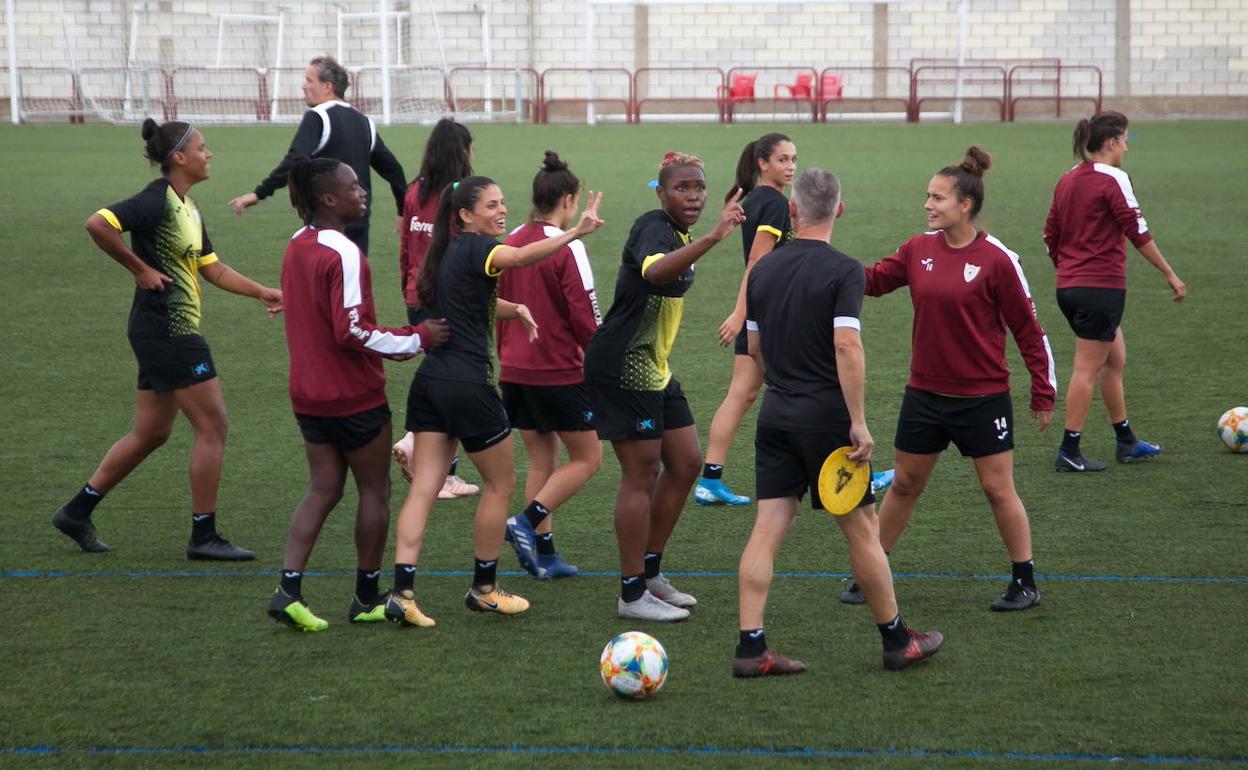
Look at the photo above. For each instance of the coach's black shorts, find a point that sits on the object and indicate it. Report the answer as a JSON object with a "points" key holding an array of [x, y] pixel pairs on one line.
{"points": [[620, 414], [347, 433], [1093, 314], [978, 425], [787, 463], [167, 364], [471, 412], [741, 346], [417, 315], [547, 408]]}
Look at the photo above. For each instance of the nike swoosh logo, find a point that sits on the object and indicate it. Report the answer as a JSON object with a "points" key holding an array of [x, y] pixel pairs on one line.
{"points": [[491, 605], [1075, 465]]}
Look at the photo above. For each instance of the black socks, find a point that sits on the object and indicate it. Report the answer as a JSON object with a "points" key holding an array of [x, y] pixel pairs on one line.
{"points": [[894, 634], [632, 587], [712, 472], [366, 585], [1024, 573], [653, 563], [484, 573], [1123, 432], [292, 583], [1070, 442], [751, 643], [535, 513], [83, 503], [404, 577], [546, 544], [203, 527]]}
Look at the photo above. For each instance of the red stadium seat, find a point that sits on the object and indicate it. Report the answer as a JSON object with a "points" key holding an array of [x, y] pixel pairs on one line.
{"points": [[802, 88], [741, 89], [832, 87]]}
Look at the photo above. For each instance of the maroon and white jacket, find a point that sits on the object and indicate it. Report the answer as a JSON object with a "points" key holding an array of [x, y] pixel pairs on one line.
{"points": [[559, 292], [414, 240], [963, 301], [1094, 206], [332, 334]]}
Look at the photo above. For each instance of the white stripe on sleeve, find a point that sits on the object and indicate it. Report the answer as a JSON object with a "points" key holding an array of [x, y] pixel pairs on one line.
{"points": [[1128, 193], [1050, 366], [847, 322], [389, 344], [349, 255], [751, 326]]}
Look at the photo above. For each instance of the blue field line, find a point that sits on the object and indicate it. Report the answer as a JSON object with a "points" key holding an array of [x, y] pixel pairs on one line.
{"points": [[209, 572], [696, 751]]}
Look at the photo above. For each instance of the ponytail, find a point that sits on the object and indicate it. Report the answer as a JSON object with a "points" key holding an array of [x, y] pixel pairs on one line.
{"points": [[553, 181], [747, 173], [1092, 133], [445, 159], [968, 177], [160, 142], [446, 225]]}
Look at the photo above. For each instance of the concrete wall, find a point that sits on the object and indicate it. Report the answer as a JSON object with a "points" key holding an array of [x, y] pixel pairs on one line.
{"points": [[1145, 48]]}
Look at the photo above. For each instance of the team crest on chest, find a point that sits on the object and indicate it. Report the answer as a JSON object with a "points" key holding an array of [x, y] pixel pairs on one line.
{"points": [[969, 272], [927, 264]]}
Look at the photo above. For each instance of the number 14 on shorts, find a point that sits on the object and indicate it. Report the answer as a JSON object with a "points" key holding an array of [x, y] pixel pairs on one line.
{"points": [[1002, 426]]}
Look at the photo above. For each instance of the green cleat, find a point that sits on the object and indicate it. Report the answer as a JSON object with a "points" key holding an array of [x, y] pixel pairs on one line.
{"points": [[373, 612], [292, 611]]}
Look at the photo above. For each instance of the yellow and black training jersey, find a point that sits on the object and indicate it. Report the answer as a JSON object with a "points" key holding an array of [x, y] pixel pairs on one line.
{"points": [[168, 234], [631, 347], [766, 210], [466, 295]]}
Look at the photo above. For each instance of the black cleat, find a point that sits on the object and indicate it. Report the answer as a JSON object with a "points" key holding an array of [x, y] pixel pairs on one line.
{"points": [[81, 531], [217, 548], [1076, 464], [853, 595], [1016, 597]]}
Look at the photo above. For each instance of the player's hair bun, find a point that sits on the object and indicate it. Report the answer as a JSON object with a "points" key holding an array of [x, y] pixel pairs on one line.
{"points": [[551, 163], [150, 129], [976, 161]]}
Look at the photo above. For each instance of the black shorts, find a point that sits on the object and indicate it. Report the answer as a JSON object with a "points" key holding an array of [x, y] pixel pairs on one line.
{"points": [[547, 408], [741, 346], [347, 433], [417, 315], [468, 411], [167, 364], [620, 414], [1093, 314], [978, 426], [787, 463]]}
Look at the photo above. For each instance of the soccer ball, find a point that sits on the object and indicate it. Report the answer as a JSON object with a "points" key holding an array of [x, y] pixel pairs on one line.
{"points": [[633, 665], [1233, 429]]}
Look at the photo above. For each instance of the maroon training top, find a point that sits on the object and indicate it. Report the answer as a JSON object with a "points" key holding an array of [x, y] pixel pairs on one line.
{"points": [[332, 334], [1093, 208], [963, 301], [559, 292]]}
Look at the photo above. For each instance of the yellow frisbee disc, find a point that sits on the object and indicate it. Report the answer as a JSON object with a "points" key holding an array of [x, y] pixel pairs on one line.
{"points": [[843, 482]]}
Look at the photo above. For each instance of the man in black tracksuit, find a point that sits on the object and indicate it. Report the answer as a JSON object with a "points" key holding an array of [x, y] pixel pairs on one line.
{"points": [[334, 129]]}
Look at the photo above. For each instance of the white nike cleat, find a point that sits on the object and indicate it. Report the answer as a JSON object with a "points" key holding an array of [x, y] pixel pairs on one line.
{"points": [[663, 589], [650, 607]]}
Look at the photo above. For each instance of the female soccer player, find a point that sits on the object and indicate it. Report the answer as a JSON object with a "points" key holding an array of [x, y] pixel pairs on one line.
{"points": [[1094, 206], [448, 157], [542, 379], [638, 406], [169, 249], [966, 287], [764, 170], [337, 384], [453, 397]]}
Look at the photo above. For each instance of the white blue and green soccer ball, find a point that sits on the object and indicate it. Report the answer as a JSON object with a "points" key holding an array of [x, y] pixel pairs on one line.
{"points": [[633, 665], [1233, 429]]}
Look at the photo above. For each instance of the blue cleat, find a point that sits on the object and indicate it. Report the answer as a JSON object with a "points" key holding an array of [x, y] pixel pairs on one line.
{"points": [[524, 541], [554, 567], [1130, 451], [882, 481], [716, 492]]}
